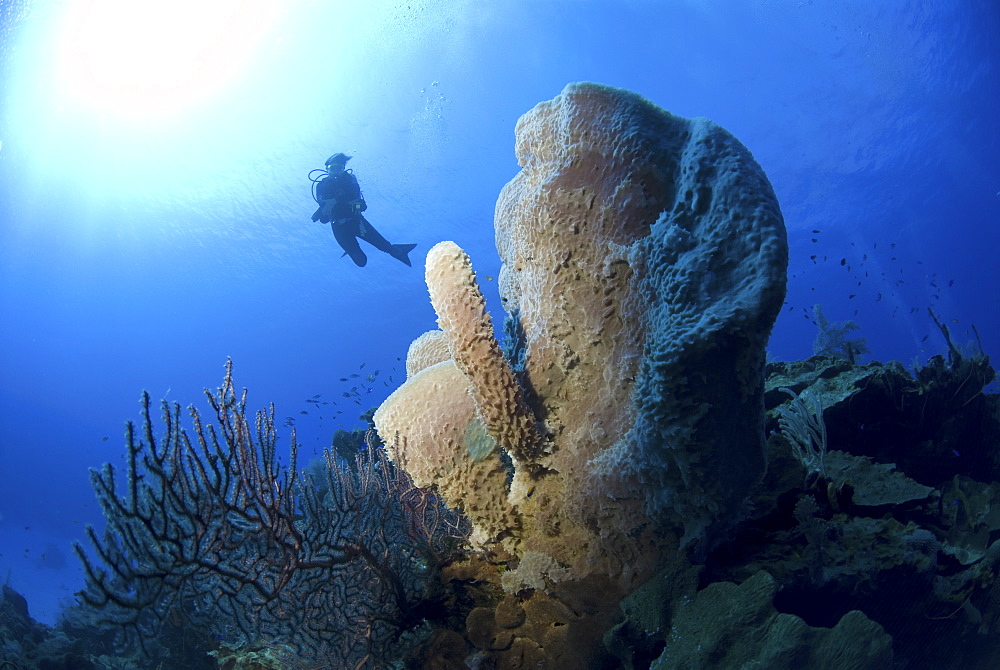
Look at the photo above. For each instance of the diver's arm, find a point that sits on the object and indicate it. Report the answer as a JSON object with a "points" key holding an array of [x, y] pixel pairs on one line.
{"points": [[324, 213], [326, 208]]}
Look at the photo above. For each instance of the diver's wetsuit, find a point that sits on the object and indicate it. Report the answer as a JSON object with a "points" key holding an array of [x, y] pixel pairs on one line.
{"points": [[347, 222]]}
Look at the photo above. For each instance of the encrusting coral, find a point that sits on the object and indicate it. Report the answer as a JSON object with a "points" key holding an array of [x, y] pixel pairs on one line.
{"points": [[644, 260]]}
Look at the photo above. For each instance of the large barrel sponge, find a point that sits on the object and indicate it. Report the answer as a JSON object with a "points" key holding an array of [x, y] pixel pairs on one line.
{"points": [[646, 256]]}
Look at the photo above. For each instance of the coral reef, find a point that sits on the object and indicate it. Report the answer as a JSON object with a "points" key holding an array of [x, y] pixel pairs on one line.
{"points": [[610, 458], [820, 574], [901, 522], [640, 278], [737, 626]]}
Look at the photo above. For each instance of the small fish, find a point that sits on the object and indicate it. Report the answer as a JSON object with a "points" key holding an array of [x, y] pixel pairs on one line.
{"points": [[355, 375], [924, 338], [343, 379], [361, 366], [843, 261], [489, 278], [951, 282], [318, 395], [303, 412], [853, 295], [104, 439], [816, 231]]}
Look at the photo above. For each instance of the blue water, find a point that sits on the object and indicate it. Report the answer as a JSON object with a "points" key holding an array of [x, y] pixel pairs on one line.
{"points": [[144, 242]]}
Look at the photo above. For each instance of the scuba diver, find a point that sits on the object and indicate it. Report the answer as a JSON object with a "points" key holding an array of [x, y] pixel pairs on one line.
{"points": [[338, 195]]}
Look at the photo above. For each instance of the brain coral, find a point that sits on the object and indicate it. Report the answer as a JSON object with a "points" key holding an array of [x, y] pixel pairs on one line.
{"points": [[644, 260]]}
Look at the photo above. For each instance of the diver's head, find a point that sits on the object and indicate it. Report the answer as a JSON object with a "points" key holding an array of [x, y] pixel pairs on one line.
{"points": [[337, 162]]}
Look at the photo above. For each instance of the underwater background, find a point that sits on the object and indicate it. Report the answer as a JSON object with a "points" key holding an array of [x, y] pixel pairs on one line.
{"points": [[155, 205]]}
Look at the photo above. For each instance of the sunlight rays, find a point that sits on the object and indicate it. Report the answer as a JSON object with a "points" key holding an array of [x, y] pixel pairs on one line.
{"points": [[137, 59]]}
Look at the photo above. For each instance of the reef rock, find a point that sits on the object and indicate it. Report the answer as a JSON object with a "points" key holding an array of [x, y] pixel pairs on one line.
{"points": [[730, 626]]}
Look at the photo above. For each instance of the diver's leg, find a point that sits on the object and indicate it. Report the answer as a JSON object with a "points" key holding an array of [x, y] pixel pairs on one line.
{"points": [[345, 232], [368, 233]]}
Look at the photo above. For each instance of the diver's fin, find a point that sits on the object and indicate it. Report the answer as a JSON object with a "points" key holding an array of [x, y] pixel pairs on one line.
{"points": [[400, 252]]}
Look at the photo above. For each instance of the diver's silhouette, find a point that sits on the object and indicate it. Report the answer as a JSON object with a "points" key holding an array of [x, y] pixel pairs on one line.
{"points": [[341, 204]]}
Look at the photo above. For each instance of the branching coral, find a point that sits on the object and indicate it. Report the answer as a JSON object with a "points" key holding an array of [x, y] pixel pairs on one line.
{"points": [[211, 529]]}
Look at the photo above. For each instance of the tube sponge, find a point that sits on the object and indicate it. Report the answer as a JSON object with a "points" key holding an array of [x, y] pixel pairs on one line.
{"points": [[462, 315]]}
